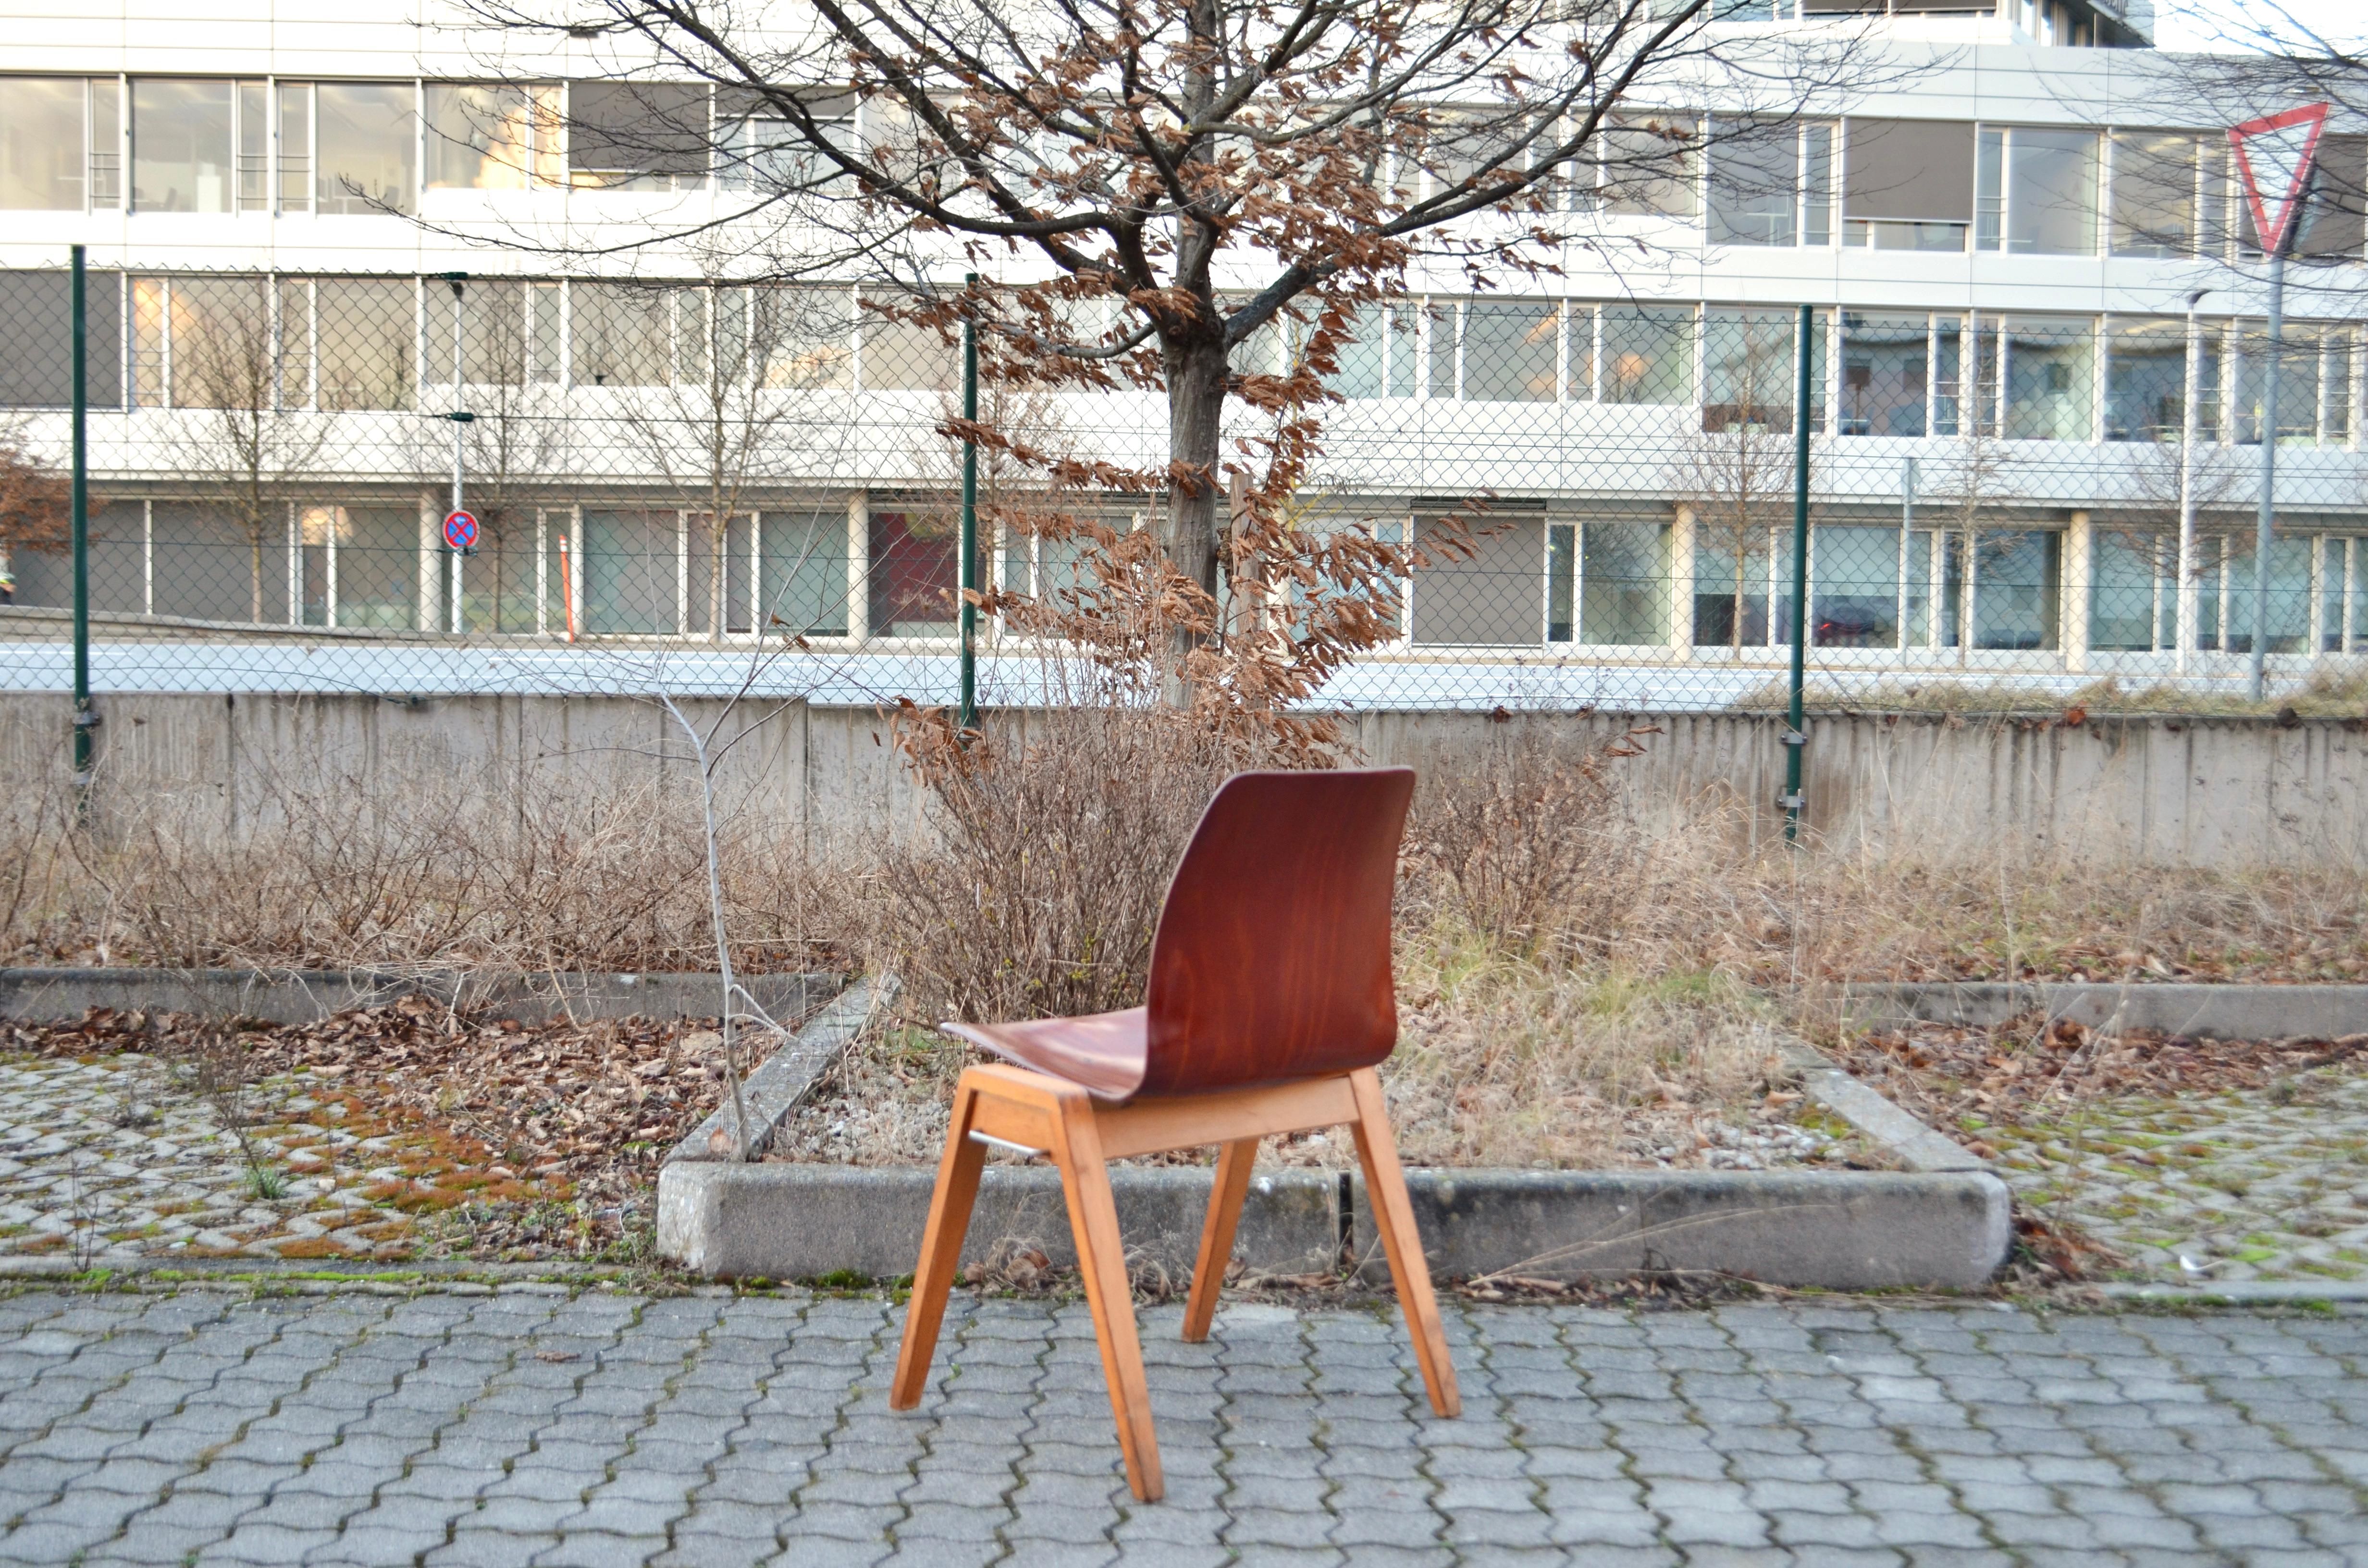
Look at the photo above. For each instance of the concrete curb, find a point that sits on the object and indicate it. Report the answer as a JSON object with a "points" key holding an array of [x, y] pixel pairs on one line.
{"points": [[1943, 1222], [803, 1222], [1912, 1143], [783, 1082], [1833, 1230], [2179, 1007], [1840, 1230], [305, 997]]}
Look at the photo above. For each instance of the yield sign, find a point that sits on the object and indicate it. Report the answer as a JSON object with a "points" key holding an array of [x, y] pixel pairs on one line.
{"points": [[2274, 160]]}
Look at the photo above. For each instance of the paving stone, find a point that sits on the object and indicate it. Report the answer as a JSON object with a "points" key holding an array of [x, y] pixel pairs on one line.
{"points": [[1982, 1436], [2230, 1181]]}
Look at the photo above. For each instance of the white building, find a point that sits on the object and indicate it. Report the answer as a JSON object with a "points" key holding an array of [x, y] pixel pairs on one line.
{"points": [[2036, 332]]}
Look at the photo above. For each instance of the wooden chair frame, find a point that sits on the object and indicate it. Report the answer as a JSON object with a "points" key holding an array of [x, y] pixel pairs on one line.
{"points": [[1007, 1105]]}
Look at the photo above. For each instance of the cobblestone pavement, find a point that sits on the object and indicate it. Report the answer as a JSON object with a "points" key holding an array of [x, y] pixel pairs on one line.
{"points": [[108, 1161], [2252, 1184], [535, 1426]]}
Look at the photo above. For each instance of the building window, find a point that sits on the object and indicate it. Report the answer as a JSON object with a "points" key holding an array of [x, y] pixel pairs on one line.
{"points": [[2146, 379], [483, 136], [2002, 586], [637, 135], [632, 564], [1648, 166], [366, 332], [1771, 186], [208, 146], [1908, 183], [1621, 583], [42, 163], [2330, 227], [2038, 193], [1508, 351], [1855, 575], [1379, 358], [1750, 373], [1648, 354], [1484, 589], [2154, 193], [2133, 591], [2225, 621], [902, 356], [509, 333], [914, 578], [1579, 352], [1889, 387], [181, 146], [293, 106], [622, 334], [37, 365], [801, 574], [759, 149], [2314, 384], [369, 138], [1743, 575], [2049, 378]]}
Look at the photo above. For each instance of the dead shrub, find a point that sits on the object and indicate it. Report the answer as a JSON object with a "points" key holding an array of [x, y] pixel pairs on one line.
{"points": [[1527, 843], [411, 874], [1037, 891]]}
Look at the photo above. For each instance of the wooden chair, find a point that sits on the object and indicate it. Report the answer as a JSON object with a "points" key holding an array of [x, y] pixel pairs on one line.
{"points": [[1269, 1006]]}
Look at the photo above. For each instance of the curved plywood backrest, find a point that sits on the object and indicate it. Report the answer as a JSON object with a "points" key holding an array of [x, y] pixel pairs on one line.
{"points": [[1273, 961]]}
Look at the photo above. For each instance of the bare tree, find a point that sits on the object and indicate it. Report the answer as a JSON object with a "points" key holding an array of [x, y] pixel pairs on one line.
{"points": [[1736, 468], [241, 368], [2191, 502], [730, 416], [36, 510], [1301, 159], [1968, 490]]}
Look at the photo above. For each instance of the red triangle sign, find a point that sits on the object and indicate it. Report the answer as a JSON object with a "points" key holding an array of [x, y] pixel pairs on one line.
{"points": [[2273, 159]]}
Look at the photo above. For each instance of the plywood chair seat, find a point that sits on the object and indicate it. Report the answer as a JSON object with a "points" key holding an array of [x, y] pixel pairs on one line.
{"points": [[1102, 1053], [1269, 1007]]}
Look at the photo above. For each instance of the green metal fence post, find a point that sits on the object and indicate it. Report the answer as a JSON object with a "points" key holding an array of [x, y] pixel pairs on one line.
{"points": [[84, 721], [970, 518], [1796, 740]]}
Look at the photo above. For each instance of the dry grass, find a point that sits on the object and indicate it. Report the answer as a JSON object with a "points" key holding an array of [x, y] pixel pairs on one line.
{"points": [[1582, 980], [1505, 1060], [1576, 987], [422, 874]]}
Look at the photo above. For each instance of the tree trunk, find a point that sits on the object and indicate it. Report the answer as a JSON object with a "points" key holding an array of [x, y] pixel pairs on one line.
{"points": [[719, 531], [1735, 613], [1196, 403]]}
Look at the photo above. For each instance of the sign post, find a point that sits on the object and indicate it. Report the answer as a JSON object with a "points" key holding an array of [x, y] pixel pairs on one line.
{"points": [[2273, 159], [459, 418]]}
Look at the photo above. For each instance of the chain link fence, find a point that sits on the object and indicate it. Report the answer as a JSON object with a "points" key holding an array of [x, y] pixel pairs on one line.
{"points": [[715, 486]]}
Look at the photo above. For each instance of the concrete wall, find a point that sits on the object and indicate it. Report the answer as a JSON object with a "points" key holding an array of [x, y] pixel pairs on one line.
{"points": [[2208, 791]]}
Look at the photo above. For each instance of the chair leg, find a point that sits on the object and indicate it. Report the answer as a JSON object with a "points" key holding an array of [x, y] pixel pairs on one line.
{"points": [[1377, 1148], [941, 1241], [1225, 1194], [1101, 1260]]}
